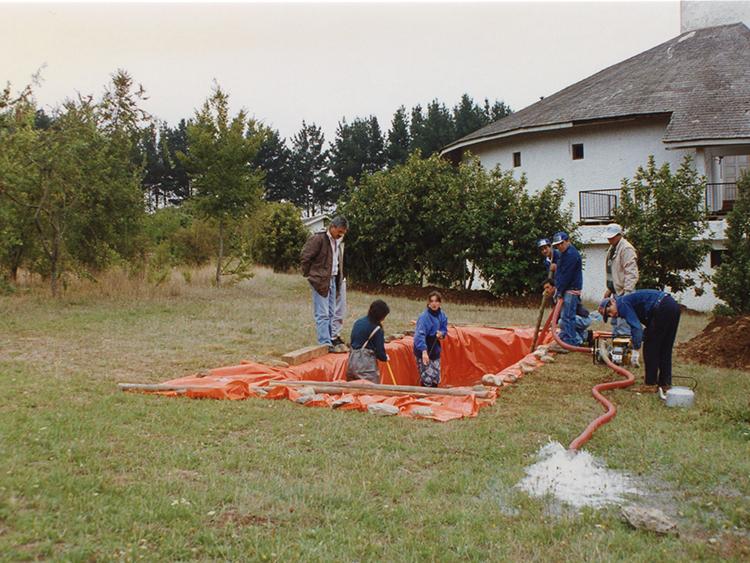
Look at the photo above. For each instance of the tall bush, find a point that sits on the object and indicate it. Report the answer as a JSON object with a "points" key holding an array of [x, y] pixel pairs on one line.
{"points": [[664, 216], [733, 274], [281, 236]]}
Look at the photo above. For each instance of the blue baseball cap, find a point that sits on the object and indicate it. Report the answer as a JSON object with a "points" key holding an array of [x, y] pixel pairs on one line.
{"points": [[542, 242], [603, 308], [559, 237]]}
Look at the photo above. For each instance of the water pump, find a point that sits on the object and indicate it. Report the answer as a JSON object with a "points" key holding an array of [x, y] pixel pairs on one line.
{"points": [[618, 348]]}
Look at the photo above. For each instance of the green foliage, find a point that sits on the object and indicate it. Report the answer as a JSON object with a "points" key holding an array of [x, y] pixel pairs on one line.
{"points": [[311, 183], [505, 221], [399, 141], [423, 220], [281, 236], [663, 215], [220, 164], [71, 188], [733, 274], [274, 159], [357, 149]]}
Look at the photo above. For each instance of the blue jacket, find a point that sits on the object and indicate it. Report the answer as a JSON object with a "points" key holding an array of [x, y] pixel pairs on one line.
{"points": [[569, 274], [361, 331], [637, 308], [428, 324]]}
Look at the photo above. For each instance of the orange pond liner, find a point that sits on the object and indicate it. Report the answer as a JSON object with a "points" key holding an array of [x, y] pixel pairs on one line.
{"points": [[468, 353]]}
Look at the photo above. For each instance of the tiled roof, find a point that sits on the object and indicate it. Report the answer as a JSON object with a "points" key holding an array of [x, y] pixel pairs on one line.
{"points": [[701, 78]]}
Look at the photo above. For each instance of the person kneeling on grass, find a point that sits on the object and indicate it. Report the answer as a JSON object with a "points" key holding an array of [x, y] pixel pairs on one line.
{"points": [[582, 320], [660, 314], [368, 344], [432, 326]]}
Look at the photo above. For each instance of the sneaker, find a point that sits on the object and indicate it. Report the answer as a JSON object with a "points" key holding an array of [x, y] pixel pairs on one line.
{"points": [[336, 341], [557, 349], [338, 349]]}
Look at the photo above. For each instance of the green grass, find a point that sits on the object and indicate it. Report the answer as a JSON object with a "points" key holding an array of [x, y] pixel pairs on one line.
{"points": [[88, 473]]}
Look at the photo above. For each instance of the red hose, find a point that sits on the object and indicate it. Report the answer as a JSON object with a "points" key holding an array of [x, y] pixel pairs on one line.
{"points": [[585, 436]]}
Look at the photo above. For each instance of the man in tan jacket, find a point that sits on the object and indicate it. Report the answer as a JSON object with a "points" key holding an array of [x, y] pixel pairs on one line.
{"points": [[622, 271]]}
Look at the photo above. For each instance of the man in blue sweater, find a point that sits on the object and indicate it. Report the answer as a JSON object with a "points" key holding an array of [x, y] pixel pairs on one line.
{"points": [[568, 285], [660, 314]]}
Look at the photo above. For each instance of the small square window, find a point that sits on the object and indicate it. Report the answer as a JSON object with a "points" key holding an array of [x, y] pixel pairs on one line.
{"points": [[717, 257], [578, 151], [516, 159]]}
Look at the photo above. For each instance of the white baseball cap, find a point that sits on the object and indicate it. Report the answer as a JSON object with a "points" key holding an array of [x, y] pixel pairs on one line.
{"points": [[612, 230]]}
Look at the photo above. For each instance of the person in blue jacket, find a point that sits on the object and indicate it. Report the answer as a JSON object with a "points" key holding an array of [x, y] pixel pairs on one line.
{"points": [[660, 314], [367, 332], [432, 327], [568, 285], [551, 256]]}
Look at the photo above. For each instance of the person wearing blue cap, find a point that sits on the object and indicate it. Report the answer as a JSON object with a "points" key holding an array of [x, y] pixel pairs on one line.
{"points": [[568, 285], [660, 314], [551, 256]]}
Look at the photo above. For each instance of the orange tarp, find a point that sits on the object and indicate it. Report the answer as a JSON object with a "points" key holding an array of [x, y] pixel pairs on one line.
{"points": [[467, 354]]}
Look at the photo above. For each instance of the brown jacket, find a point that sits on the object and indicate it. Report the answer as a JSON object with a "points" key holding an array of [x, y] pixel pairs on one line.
{"points": [[316, 260]]}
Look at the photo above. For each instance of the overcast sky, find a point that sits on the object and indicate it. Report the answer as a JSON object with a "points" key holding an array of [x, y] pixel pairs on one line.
{"points": [[321, 62]]}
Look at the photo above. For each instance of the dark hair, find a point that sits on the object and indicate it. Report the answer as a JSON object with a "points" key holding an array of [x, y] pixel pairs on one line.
{"points": [[378, 311], [434, 294], [548, 281]]}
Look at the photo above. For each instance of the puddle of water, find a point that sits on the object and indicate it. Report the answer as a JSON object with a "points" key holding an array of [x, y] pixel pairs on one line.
{"points": [[577, 479]]}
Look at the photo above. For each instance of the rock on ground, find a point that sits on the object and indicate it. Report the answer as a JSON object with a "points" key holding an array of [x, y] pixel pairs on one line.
{"points": [[382, 409], [651, 519], [422, 411]]}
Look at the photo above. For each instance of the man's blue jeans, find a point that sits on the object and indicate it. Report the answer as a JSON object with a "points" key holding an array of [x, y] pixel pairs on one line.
{"points": [[568, 332], [323, 309], [337, 322]]}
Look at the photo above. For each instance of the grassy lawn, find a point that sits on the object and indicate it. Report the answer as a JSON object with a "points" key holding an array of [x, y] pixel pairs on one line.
{"points": [[89, 473]]}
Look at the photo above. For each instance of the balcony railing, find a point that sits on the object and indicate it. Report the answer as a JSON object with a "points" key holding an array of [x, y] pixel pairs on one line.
{"points": [[598, 206]]}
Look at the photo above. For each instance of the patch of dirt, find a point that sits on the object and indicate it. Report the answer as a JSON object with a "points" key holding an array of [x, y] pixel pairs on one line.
{"points": [[463, 296], [236, 518], [725, 343]]}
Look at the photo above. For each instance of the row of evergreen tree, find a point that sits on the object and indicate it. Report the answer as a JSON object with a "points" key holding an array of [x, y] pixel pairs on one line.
{"points": [[306, 171]]}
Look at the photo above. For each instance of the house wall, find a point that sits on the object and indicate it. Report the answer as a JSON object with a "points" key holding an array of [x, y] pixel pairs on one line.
{"points": [[611, 152], [695, 14]]}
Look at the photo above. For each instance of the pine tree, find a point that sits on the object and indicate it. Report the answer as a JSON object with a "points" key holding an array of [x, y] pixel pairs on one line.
{"points": [[311, 184], [439, 128], [468, 117], [357, 149], [274, 159], [399, 142]]}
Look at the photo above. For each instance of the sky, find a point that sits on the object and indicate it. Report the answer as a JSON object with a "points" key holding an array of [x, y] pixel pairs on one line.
{"points": [[321, 62]]}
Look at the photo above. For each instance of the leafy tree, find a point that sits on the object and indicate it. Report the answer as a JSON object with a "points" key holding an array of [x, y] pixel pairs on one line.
{"points": [[282, 236], [664, 216], [399, 141], [220, 164], [357, 149], [275, 159], [76, 182], [172, 142], [733, 274], [310, 173]]}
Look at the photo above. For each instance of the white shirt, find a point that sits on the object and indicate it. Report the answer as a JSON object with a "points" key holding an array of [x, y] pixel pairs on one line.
{"points": [[335, 249]]}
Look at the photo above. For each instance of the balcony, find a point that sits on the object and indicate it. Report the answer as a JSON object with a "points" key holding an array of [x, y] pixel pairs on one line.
{"points": [[598, 206]]}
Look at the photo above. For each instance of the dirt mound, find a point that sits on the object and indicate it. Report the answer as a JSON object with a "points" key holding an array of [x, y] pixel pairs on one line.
{"points": [[464, 296], [725, 342]]}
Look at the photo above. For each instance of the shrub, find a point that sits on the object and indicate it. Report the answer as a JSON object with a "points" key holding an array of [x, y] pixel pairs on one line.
{"points": [[733, 274], [280, 236]]}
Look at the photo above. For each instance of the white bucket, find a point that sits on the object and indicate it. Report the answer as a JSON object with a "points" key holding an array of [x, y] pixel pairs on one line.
{"points": [[679, 397]]}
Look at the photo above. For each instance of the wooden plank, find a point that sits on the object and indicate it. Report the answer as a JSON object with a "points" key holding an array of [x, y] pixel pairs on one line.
{"points": [[153, 387], [375, 389], [305, 354]]}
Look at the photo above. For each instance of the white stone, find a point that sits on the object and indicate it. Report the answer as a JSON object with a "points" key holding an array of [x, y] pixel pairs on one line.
{"points": [[382, 409], [547, 359], [651, 519], [341, 402], [422, 411], [492, 380]]}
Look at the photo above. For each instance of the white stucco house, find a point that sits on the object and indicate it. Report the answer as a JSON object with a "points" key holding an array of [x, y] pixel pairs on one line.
{"points": [[316, 223], [688, 96]]}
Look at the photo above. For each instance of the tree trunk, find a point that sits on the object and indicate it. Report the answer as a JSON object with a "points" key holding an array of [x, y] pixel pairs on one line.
{"points": [[55, 265], [221, 253], [471, 276]]}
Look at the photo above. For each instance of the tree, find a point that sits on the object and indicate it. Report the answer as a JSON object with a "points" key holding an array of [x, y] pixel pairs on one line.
{"points": [[498, 110], [397, 147], [220, 164], [310, 174], [282, 237], [664, 216], [275, 159], [468, 117], [357, 149], [439, 129], [417, 132], [732, 276]]}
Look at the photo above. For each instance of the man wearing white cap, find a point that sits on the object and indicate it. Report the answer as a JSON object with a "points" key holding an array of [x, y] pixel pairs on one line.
{"points": [[622, 272]]}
